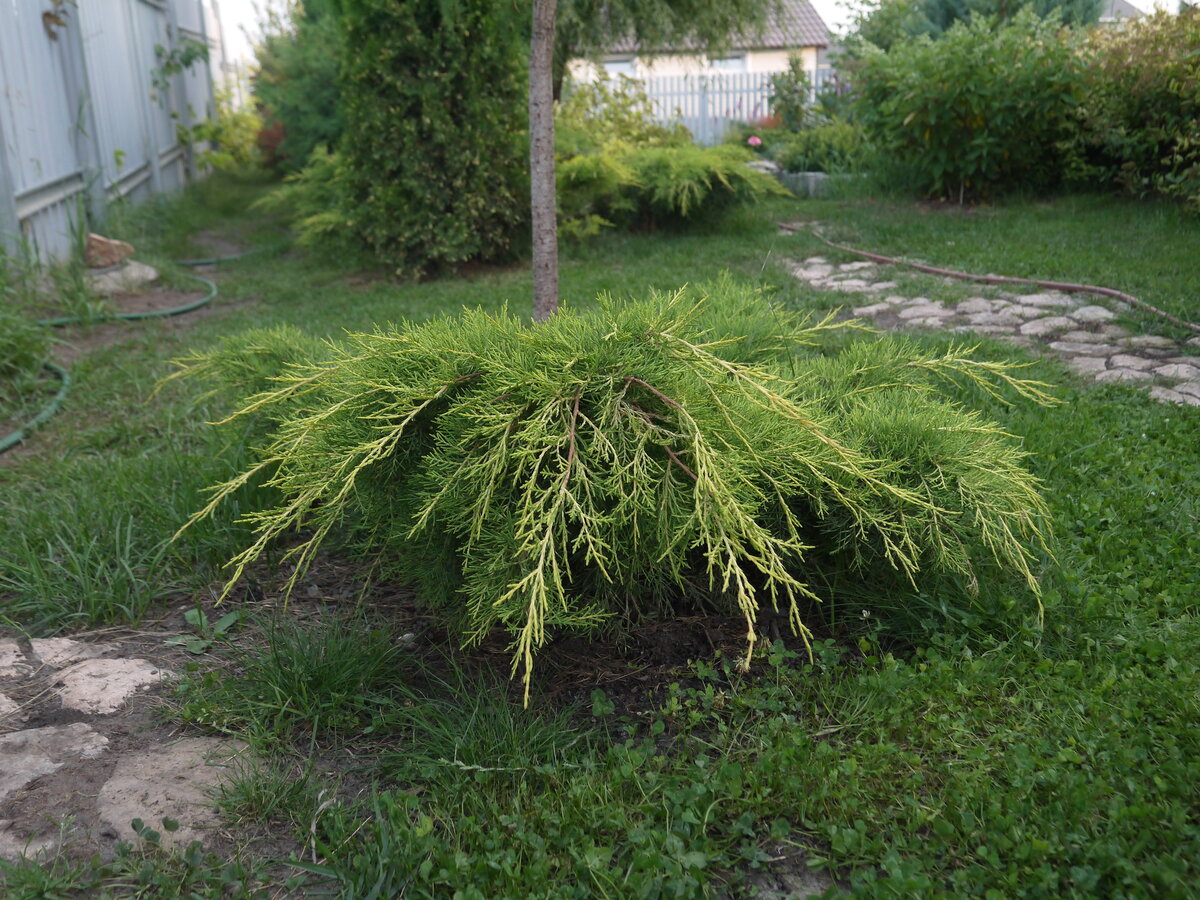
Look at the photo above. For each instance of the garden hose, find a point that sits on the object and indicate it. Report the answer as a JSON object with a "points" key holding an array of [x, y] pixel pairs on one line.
{"points": [[1064, 286], [11, 440], [64, 378]]}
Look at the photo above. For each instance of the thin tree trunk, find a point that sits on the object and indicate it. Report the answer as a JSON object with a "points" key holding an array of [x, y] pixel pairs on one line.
{"points": [[541, 160]]}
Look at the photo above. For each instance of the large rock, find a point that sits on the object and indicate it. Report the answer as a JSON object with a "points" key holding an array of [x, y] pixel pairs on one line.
{"points": [[59, 652], [102, 252], [101, 686], [130, 276], [175, 781]]}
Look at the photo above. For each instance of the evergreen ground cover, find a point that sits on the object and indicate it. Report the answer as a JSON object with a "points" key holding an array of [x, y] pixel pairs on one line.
{"points": [[948, 759]]}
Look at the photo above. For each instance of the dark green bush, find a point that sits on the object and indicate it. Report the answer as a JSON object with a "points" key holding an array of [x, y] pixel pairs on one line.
{"points": [[982, 110], [297, 86], [836, 147], [1141, 111], [640, 459], [435, 99], [791, 96]]}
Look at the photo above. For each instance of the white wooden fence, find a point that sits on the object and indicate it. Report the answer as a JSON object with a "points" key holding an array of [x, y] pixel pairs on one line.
{"points": [[709, 104], [82, 121]]}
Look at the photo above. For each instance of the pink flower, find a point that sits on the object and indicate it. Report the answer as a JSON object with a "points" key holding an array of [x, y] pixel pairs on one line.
{"points": [[754, 141]]}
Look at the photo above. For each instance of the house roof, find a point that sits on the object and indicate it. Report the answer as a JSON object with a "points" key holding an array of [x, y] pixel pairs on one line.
{"points": [[794, 24], [1115, 10]]}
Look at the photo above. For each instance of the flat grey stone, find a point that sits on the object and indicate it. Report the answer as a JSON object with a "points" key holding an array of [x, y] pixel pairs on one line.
{"points": [[1191, 388], [985, 329], [1080, 337], [1092, 314], [1184, 360], [856, 266], [895, 299], [1123, 375], [1084, 349], [35, 752], [1193, 341], [174, 780], [1166, 395], [873, 310], [1026, 312], [1125, 361], [1050, 300], [13, 663], [1150, 340], [1114, 331], [924, 311], [882, 285], [59, 652], [1178, 370], [812, 273], [100, 687], [816, 259], [914, 301], [994, 318], [975, 305], [1046, 325], [926, 322], [1087, 365]]}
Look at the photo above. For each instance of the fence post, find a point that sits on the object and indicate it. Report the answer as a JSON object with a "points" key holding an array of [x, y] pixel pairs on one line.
{"points": [[86, 135], [705, 124]]}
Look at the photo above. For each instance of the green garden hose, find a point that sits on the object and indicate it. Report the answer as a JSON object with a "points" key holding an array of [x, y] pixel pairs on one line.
{"points": [[11, 440], [64, 378]]}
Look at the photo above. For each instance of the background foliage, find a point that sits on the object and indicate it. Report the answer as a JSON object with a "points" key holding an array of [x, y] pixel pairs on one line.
{"points": [[983, 109], [435, 96], [1140, 115]]}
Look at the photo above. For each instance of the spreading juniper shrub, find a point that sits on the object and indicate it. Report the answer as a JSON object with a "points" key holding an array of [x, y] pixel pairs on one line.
{"points": [[608, 464]]}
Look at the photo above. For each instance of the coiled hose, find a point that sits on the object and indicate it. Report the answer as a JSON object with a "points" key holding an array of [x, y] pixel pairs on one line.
{"points": [[64, 377]]}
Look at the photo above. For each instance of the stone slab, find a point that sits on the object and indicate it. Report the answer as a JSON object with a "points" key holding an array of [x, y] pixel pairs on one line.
{"points": [[59, 652], [13, 663], [1191, 388], [1125, 361], [1092, 314], [975, 305], [173, 780], [873, 310], [925, 310], [35, 752], [100, 687], [1079, 348], [1046, 325], [1178, 370], [1123, 375], [1150, 340]]}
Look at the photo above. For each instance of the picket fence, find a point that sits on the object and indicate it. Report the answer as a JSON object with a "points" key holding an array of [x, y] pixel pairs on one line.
{"points": [[709, 104], [83, 118]]}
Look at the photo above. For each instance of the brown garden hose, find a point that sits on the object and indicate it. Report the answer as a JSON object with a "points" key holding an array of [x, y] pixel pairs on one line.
{"points": [[1064, 286]]}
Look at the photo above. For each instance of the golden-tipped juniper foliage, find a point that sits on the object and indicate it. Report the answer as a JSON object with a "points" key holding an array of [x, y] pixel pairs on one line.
{"points": [[629, 459]]}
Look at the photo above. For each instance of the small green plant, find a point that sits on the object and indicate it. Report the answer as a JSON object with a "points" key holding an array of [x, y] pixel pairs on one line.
{"points": [[791, 96], [836, 147], [207, 633]]}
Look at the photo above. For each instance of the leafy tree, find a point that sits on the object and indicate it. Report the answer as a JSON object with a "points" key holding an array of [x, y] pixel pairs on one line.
{"points": [[885, 23], [572, 28]]}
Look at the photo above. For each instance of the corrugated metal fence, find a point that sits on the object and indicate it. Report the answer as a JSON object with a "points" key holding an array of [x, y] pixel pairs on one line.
{"points": [[709, 104], [82, 120]]}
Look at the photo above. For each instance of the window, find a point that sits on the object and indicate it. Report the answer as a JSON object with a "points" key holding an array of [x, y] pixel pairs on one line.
{"points": [[618, 67], [728, 63]]}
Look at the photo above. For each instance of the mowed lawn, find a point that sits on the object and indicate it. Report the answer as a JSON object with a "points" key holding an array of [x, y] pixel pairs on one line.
{"points": [[931, 754]]}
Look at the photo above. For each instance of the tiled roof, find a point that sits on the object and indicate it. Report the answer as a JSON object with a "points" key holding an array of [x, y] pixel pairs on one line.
{"points": [[795, 24]]}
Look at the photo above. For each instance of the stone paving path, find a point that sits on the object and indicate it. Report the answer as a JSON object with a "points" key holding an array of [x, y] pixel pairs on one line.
{"points": [[79, 756], [1082, 332]]}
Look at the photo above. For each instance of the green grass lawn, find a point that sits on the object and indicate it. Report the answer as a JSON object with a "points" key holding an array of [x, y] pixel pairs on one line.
{"points": [[949, 757]]}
